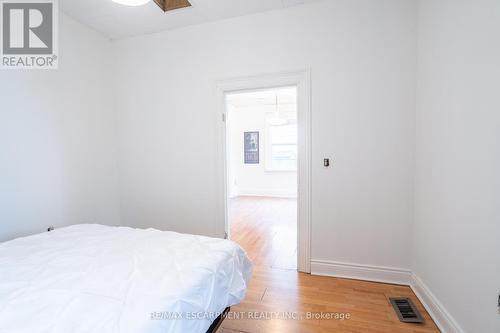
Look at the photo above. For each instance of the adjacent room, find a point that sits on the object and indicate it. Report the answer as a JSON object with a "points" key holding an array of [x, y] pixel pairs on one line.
{"points": [[249, 166], [262, 155]]}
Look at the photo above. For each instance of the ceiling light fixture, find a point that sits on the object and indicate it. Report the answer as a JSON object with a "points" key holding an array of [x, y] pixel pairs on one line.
{"points": [[165, 5], [132, 2]]}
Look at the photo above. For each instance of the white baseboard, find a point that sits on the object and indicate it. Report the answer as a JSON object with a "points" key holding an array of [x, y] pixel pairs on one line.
{"points": [[442, 318], [361, 272], [262, 192]]}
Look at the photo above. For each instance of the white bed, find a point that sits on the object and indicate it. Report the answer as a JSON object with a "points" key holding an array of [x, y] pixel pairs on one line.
{"points": [[93, 278]]}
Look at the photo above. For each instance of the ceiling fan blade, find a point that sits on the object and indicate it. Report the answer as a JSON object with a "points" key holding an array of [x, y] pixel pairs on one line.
{"points": [[167, 5]]}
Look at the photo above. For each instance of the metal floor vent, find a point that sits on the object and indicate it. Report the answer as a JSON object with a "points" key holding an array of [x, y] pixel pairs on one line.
{"points": [[406, 310]]}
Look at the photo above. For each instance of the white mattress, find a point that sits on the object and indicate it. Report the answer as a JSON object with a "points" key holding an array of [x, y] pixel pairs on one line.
{"points": [[93, 278]]}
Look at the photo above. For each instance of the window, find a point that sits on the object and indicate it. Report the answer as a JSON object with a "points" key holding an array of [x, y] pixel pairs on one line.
{"points": [[282, 146]]}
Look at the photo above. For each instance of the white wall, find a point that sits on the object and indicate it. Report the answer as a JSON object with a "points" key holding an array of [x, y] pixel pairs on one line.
{"points": [[457, 227], [255, 179], [57, 139], [362, 56], [57, 135]]}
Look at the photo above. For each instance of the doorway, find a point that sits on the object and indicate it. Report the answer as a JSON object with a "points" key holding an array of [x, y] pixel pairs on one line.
{"points": [[301, 80], [261, 164]]}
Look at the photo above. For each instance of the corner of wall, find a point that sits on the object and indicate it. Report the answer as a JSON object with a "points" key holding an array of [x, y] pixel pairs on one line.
{"points": [[443, 319]]}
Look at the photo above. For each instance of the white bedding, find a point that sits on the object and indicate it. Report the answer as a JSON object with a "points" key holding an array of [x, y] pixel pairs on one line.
{"points": [[93, 278]]}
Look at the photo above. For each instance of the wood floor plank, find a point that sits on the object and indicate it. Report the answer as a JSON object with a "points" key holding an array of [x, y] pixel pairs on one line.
{"points": [[264, 228]]}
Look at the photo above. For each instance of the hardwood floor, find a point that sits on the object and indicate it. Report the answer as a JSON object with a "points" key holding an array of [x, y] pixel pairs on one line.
{"points": [[283, 300], [267, 229]]}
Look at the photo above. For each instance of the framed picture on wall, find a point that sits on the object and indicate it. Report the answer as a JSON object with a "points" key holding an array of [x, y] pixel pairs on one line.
{"points": [[251, 140]]}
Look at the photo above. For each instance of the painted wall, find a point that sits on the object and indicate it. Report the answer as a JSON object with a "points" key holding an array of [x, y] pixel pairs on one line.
{"points": [[58, 139], [57, 135], [255, 179], [362, 54], [457, 225]]}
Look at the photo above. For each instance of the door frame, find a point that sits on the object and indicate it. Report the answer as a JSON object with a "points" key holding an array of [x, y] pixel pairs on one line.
{"points": [[302, 80]]}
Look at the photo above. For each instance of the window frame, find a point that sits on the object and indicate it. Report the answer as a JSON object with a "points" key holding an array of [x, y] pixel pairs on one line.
{"points": [[268, 150]]}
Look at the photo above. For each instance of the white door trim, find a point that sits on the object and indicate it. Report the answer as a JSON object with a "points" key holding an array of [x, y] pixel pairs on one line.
{"points": [[301, 79]]}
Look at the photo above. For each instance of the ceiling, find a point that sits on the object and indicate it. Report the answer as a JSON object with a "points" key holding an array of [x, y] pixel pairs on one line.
{"points": [[117, 21], [269, 97]]}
